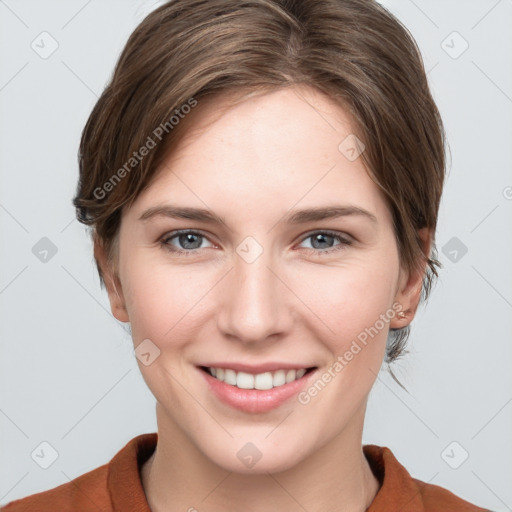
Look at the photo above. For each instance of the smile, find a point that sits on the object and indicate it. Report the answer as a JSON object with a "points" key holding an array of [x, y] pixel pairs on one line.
{"points": [[261, 381]]}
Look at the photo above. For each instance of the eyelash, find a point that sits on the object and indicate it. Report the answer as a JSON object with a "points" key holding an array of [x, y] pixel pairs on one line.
{"points": [[164, 242]]}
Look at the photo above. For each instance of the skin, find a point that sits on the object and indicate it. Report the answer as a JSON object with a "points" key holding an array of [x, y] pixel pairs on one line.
{"points": [[250, 165]]}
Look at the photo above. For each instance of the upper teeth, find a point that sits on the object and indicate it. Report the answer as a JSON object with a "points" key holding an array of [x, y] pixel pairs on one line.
{"points": [[267, 380]]}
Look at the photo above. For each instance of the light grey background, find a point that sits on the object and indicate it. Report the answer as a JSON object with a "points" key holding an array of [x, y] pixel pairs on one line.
{"points": [[68, 375]]}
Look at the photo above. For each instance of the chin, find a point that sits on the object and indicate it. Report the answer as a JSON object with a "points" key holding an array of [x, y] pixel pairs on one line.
{"points": [[250, 458]]}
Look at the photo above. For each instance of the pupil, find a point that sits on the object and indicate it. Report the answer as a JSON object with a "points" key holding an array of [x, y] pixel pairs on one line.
{"points": [[321, 238], [187, 239]]}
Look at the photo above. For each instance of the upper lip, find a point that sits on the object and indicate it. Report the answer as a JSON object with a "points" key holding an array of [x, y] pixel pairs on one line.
{"points": [[257, 368]]}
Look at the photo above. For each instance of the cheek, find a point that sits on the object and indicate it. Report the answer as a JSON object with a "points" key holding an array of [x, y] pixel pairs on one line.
{"points": [[161, 299], [354, 303], [166, 301], [349, 297]]}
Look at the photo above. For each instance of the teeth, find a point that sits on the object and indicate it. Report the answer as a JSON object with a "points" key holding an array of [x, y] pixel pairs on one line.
{"points": [[230, 377], [244, 380], [262, 381]]}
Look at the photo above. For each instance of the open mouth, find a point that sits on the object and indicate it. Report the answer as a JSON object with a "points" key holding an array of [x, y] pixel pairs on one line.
{"points": [[261, 381]]}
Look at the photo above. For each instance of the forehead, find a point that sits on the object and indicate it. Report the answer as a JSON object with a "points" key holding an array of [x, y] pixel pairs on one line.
{"points": [[287, 145]]}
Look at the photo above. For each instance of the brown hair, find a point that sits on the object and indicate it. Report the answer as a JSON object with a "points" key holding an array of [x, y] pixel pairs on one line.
{"points": [[189, 51]]}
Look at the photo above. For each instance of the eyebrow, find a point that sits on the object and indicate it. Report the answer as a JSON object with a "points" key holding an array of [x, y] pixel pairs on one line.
{"points": [[293, 217]]}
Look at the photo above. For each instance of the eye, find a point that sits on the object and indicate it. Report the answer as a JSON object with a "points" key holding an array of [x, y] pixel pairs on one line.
{"points": [[188, 241], [322, 238]]}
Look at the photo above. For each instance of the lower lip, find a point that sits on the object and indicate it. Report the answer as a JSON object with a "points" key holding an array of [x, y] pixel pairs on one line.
{"points": [[255, 400]]}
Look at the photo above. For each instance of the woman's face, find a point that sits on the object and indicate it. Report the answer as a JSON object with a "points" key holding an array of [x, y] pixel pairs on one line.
{"points": [[257, 288]]}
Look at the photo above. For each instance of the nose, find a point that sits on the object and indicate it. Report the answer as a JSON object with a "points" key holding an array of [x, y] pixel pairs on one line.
{"points": [[254, 303]]}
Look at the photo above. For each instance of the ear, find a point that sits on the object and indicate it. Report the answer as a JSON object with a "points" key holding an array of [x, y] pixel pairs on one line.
{"points": [[112, 283], [410, 283]]}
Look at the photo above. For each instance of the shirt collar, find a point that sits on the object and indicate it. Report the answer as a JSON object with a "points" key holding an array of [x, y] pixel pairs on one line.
{"points": [[398, 490], [124, 480]]}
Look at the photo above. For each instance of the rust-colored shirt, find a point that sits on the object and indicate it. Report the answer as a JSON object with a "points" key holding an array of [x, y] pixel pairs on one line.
{"points": [[116, 486]]}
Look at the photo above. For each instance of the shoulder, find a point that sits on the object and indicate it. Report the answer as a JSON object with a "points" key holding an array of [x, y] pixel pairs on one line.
{"points": [[399, 490], [434, 496], [112, 486], [87, 492]]}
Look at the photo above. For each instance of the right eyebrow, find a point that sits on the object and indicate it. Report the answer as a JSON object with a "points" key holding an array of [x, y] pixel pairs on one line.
{"points": [[182, 212]]}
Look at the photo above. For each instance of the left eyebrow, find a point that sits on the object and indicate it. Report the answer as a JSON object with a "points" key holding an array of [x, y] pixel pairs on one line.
{"points": [[329, 212], [293, 217]]}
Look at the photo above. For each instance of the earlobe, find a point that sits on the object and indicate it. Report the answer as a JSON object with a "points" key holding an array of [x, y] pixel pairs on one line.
{"points": [[116, 298], [112, 283], [410, 286]]}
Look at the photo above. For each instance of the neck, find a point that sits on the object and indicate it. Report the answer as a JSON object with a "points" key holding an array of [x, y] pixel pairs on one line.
{"points": [[336, 477]]}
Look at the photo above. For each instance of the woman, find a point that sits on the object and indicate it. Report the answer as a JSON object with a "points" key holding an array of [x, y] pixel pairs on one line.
{"points": [[235, 140]]}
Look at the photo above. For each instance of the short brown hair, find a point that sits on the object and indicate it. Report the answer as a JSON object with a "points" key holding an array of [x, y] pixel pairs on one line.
{"points": [[186, 51]]}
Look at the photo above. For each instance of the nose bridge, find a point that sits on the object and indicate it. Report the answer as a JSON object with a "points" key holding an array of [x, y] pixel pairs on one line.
{"points": [[255, 305]]}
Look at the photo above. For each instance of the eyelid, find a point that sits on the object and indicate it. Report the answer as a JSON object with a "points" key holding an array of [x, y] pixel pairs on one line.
{"points": [[176, 232], [337, 234], [344, 238]]}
